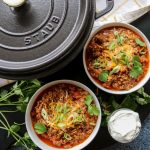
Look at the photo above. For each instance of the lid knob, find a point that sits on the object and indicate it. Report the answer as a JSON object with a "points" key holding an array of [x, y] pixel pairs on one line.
{"points": [[14, 3]]}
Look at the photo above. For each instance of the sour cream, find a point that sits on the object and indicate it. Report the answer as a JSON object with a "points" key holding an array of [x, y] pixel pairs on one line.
{"points": [[124, 125]]}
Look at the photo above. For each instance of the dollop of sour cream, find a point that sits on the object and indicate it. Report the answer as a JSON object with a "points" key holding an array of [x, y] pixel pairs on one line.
{"points": [[124, 125], [14, 3]]}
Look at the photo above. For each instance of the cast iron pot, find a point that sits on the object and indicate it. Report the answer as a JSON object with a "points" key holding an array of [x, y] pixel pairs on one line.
{"points": [[41, 37]]}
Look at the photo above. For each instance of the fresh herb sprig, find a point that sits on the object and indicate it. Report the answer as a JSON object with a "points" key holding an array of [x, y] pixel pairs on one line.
{"points": [[19, 95], [92, 109], [131, 101], [40, 128], [13, 130], [137, 68], [139, 42]]}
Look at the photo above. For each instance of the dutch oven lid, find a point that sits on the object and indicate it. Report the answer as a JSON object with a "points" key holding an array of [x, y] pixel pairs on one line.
{"points": [[39, 32]]}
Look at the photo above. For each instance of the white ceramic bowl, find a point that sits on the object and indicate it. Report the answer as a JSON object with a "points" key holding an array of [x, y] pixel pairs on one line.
{"points": [[28, 121], [142, 82]]}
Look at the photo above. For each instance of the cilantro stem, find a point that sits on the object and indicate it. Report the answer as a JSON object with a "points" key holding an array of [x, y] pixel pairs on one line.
{"points": [[5, 120], [3, 128], [23, 142], [7, 96], [8, 111], [17, 104]]}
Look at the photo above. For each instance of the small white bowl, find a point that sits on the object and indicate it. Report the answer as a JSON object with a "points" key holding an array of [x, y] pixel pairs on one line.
{"points": [[28, 120], [137, 31]]}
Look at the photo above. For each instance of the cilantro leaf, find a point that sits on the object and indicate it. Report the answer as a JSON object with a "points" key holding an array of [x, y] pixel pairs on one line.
{"points": [[15, 128], [40, 128], [36, 82], [88, 100], [136, 71], [22, 107], [137, 67], [141, 90], [128, 102], [93, 110], [103, 76], [120, 38], [18, 91], [139, 42], [141, 101], [136, 58], [115, 70]]}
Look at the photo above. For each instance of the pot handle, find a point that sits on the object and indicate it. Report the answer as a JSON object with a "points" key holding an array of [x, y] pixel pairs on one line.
{"points": [[110, 5]]}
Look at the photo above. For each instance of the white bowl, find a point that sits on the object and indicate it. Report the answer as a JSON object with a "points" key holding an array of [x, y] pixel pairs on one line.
{"points": [[137, 31], [28, 121]]}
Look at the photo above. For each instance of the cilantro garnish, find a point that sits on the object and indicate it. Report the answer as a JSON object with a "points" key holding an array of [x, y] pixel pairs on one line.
{"points": [[137, 68], [115, 70], [120, 38], [103, 76], [40, 128], [92, 109], [139, 42], [112, 45]]}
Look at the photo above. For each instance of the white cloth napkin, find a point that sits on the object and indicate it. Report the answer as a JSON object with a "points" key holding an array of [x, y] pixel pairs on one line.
{"points": [[123, 11]]}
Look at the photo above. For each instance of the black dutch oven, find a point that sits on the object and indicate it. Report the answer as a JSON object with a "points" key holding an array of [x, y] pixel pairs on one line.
{"points": [[41, 37]]}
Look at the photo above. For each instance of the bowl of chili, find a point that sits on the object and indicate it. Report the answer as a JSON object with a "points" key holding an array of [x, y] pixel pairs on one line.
{"points": [[63, 114], [116, 58]]}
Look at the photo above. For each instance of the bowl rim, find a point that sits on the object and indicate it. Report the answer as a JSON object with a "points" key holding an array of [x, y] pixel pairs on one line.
{"points": [[137, 31], [28, 121]]}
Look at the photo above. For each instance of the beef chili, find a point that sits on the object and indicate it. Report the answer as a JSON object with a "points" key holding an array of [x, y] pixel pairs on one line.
{"points": [[64, 115], [117, 58]]}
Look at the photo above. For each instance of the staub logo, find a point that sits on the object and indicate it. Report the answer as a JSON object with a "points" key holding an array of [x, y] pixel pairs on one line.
{"points": [[44, 32]]}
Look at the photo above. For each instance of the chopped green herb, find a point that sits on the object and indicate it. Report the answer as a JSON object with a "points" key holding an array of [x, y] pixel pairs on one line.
{"points": [[67, 136], [61, 125], [92, 124], [79, 111], [44, 114], [136, 58], [61, 117], [120, 38], [136, 71], [139, 42], [88, 100], [79, 119], [143, 52], [103, 76], [40, 128], [93, 110], [97, 63], [65, 108], [137, 67], [112, 45], [125, 59], [114, 59], [115, 70], [59, 108]]}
